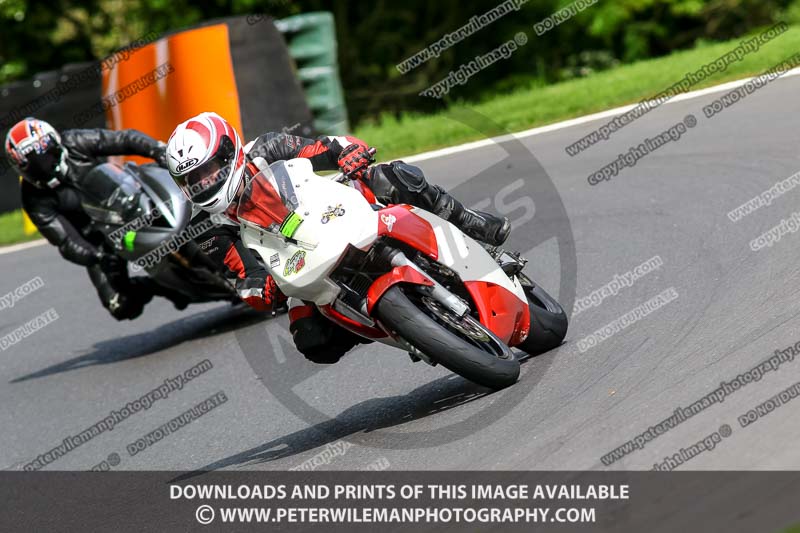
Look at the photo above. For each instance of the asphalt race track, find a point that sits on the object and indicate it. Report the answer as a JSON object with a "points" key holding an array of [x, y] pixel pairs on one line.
{"points": [[375, 409]]}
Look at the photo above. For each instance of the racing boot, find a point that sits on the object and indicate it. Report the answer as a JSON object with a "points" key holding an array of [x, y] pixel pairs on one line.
{"points": [[124, 303], [400, 182], [479, 225], [149, 286]]}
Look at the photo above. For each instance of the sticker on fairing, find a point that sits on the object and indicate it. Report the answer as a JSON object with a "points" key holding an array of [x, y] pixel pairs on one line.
{"points": [[389, 220], [332, 212], [290, 224], [295, 264]]}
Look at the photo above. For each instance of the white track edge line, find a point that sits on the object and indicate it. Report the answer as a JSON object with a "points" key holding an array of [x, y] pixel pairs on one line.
{"points": [[580, 120], [21, 246], [519, 135]]}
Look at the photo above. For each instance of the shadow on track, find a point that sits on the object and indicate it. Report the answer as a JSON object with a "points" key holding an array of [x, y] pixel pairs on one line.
{"points": [[205, 324], [379, 413]]}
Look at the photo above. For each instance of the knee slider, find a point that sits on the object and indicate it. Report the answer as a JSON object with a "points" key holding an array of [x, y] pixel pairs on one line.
{"points": [[312, 338], [381, 183], [320, 340], [323, 356], [411, 177]]}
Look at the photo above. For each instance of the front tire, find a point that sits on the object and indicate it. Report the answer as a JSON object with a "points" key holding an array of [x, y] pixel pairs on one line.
{"points": [[549, 322], [473, 352]]}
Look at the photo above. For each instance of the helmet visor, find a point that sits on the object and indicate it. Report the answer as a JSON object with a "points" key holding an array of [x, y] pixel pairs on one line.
{"points": [[40, 166], [201, 184]]}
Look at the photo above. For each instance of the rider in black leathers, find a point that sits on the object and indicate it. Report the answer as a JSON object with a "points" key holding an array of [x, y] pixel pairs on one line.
{"points": [[52, 166]]}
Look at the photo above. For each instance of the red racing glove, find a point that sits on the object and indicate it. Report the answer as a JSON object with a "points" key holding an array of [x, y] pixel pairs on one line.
{"points": [[259, 293], [355, 159]]}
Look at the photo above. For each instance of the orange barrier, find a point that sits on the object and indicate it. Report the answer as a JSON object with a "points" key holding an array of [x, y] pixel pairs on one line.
{"points": [[238, 67], [201, 79]]}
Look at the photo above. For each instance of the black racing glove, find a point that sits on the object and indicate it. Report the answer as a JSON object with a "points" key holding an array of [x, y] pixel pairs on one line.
{"points": [[108, 262], [115, 268], [160, 155]]}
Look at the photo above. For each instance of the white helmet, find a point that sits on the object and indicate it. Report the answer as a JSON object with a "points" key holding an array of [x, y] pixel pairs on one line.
{"points": [[206, 159]]}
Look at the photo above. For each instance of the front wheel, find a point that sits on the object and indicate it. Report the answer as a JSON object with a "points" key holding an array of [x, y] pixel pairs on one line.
{"points": [[462, 345], [548, 320]]}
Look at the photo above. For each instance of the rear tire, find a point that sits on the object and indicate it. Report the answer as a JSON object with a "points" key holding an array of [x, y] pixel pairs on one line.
{"points": [[549, 322], [413, 321]]}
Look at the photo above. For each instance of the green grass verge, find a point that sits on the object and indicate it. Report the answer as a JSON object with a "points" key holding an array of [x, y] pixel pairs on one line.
{"points": [[539, 105], [11, 229]]}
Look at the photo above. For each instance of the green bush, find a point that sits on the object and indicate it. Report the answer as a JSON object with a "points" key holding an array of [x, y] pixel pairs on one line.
{"points": [[375, 36]]}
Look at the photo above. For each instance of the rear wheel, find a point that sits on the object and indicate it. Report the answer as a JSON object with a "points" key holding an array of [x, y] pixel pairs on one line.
{"points": [[548, 320], [461, 344]]}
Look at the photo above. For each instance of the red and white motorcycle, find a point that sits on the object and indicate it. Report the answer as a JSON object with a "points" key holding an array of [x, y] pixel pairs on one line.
{"points": [[397, 274]]}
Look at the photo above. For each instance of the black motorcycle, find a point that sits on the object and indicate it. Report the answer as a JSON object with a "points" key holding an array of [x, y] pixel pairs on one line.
{"points": [[137, 209]]}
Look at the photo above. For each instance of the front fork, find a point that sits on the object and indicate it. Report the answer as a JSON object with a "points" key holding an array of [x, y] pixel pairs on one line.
{"points": [[358, 308]]}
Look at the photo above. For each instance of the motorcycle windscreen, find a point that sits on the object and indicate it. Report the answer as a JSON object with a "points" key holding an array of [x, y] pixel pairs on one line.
{"points": [[269, 199], [171, 209], [112, 196]]}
